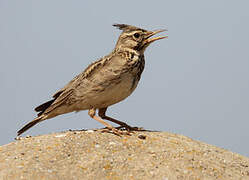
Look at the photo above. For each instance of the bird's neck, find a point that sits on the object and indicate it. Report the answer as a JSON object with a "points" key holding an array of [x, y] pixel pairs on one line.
{"points": [[127, 50]]}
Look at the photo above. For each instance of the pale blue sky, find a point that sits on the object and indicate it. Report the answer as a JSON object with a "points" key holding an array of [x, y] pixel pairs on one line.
{"points": [[195, 83]]}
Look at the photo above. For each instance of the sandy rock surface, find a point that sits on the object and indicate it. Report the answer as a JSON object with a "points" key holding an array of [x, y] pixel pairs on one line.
{"points": [[96, 155]]}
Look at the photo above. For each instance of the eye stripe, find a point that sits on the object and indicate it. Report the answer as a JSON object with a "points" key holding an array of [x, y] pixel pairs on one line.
{"points": [[132, 33]]}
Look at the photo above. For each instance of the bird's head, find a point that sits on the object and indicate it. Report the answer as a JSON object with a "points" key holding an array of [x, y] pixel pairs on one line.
{"points": [[136, 38]]}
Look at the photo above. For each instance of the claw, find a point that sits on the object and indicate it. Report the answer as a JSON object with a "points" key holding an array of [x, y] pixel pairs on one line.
{"points": [[129, 128], [116, 131]]}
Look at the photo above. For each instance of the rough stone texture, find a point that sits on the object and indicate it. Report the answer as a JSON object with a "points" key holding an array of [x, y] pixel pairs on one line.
{"points": [[95, 155]]}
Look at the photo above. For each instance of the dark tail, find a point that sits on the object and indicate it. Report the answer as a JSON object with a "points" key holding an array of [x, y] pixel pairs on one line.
{"points": [[43, 107], [29, 125]]}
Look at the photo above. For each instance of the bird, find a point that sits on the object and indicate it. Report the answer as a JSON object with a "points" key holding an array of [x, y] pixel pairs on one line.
{"points": [[103, 83]]}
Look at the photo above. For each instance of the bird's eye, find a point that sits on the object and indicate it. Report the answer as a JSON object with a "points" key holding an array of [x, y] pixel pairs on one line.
{"points": [[136, 35]]}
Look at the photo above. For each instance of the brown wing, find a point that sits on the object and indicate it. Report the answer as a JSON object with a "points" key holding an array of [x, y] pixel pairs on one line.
{"points": [[60, 96], [63, 94]]}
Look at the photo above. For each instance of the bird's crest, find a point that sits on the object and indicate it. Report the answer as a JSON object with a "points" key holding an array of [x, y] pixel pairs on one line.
{"points": [[127, 28]]}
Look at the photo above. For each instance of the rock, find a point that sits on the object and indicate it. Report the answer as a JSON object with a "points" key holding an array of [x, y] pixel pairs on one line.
{"points": [[96, 155]]}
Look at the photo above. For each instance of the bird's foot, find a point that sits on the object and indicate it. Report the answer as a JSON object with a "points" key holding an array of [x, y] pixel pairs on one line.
{"points": [[116, 131], [129, 128]]}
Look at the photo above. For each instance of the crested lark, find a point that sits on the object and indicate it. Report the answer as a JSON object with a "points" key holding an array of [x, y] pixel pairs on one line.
{"points": [[103, 83]]}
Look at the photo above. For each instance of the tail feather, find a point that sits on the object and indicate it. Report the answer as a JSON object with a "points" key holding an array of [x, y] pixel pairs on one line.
{"points": [[29, 125], [44, 106], [41, 115]]}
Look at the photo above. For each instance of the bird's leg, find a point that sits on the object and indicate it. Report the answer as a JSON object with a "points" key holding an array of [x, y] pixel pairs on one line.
{"points": [[102, 112], [92, 113]]}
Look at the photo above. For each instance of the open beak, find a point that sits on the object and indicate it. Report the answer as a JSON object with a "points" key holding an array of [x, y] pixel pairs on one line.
{"points": [[149, 40]]}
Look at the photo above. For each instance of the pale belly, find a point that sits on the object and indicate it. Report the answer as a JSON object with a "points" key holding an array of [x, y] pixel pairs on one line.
{"points": [[112, 94]]}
